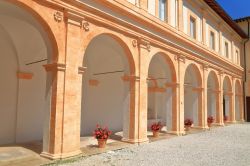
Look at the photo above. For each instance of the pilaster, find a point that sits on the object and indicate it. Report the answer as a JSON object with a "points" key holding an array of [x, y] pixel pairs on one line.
{"points": [[204, 22], [220, 39], [220, 118], [144, 4], [204, 93], [180, 94], [233, 101], [180, 15]]}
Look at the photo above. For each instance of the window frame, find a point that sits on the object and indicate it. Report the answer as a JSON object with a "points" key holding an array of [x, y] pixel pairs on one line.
{"points": [[194, 30], [166, 10], [237, 56], [226, 49], [212, 45]]}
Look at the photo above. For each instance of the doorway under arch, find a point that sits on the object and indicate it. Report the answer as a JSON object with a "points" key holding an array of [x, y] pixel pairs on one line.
{"points": [[192, 95], [227, 99], [106, 94], [25, 87], [213, 96], [161, 96]]}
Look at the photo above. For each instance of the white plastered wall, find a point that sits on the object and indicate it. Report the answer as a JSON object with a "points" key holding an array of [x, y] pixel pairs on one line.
{"points": [[160, 103], [22, 115], [186, 9], [190, 96], [106, 104]]}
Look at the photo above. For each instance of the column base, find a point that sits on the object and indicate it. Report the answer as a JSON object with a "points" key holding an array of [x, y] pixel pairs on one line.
{"points": [[201, 127], [219, 124], [232, 122], [135, 141], [178, 133], [60, 155]]}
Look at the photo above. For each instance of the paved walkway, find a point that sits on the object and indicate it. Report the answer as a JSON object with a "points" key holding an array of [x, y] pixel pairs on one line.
{"points": [[223, 146]]}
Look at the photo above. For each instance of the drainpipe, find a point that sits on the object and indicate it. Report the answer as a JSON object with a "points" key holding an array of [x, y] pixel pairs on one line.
{"points": [[245, 71]]}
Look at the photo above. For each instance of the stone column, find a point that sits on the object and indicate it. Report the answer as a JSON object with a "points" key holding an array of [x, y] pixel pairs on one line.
{"points": [[52, 137], [220, 101], [66, 105], [241, 98], [180, 95], [138, 118], [233, 101], [204, 103], [180, 15]]}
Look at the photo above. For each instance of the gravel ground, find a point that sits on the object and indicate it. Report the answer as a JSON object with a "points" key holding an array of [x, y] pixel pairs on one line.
{"points": [[224, 146]]}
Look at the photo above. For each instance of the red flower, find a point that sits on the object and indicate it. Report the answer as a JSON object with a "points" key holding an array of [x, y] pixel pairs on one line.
{"points": [[156, 126], [188, 122], [210, 119], [101, 133]]}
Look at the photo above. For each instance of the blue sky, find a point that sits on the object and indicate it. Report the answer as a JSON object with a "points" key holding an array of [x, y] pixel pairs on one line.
{"points": [[236, 8]]}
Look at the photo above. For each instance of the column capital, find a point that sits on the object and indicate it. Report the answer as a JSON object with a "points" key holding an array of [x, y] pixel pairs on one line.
{"points": [[143, 43], [198, 89], [221, 72], [81, 69], [54, 67], [180, 58], [77, 20], [205, 66], [171, 84]]}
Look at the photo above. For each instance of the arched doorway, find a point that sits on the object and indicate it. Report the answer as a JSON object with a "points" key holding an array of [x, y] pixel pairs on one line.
{"points": [[106, 92], [213, 96], [227, 98], [25, 94], [238, 100], [192, 95], [161, 91]]}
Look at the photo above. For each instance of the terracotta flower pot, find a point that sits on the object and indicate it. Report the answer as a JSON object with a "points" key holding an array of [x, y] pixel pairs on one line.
{"points": [[209, 124], [102, 143], [156, 133], [187, 127]]}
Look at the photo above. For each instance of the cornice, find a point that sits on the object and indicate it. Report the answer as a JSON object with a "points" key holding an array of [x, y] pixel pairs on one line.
{"points": [[100, 17]]}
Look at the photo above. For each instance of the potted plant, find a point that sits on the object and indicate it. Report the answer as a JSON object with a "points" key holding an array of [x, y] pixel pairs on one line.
{"points": [[210, 120], [225, 118], [156, 127], [188, 123], [102, 134]]}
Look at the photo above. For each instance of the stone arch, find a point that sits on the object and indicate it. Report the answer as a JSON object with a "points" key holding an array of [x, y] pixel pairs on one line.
{"points": [[116, 36], [168, 60], [238, 101], [46, 29], [161, 90], [213, 95], [193, 94], [113, 80], [227, 99], [33, 90]]}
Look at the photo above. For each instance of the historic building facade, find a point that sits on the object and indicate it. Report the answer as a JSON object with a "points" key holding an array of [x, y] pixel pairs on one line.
{"points": [[69, 65], [244, 23]]}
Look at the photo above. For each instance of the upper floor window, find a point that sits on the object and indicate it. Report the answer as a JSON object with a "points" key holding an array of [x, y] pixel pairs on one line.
{"points": [[192, 27], [226, 51], [163, 10], [237, 57], [212, 41]]}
